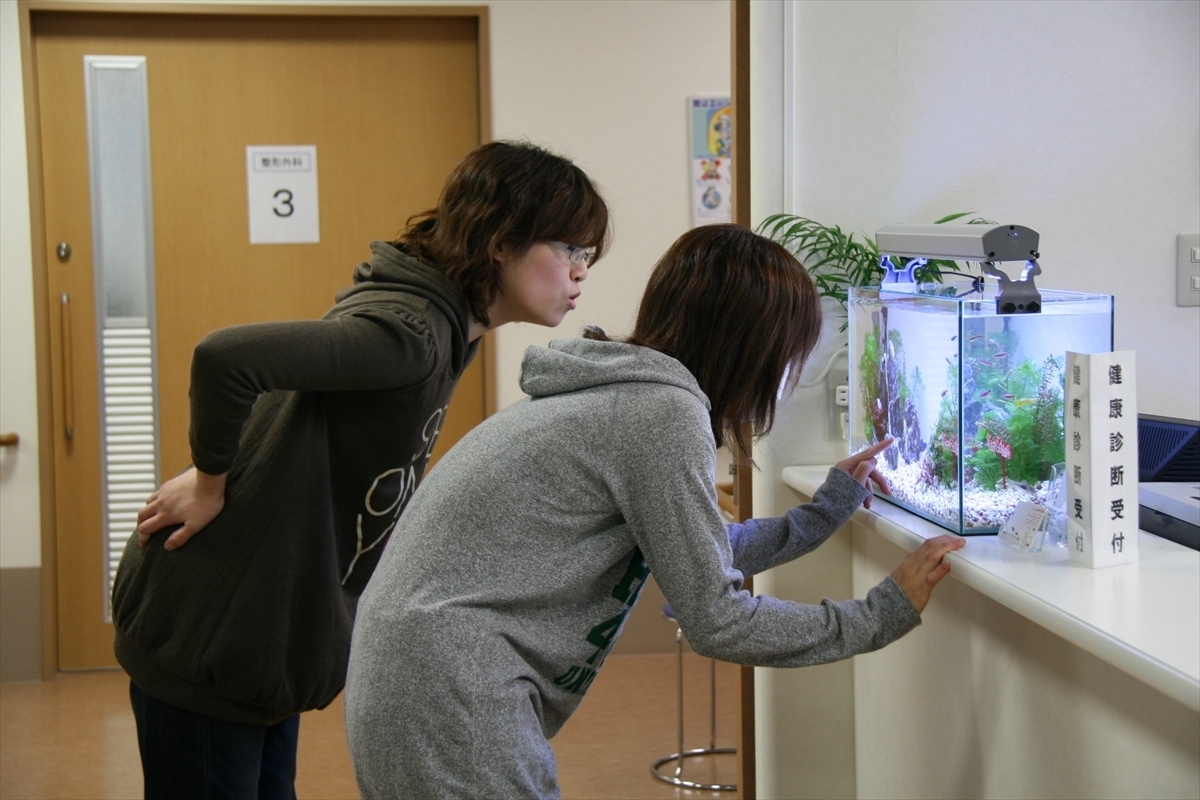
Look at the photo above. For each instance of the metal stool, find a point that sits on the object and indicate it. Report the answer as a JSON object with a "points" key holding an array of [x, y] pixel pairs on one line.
{"points": [[712, 749]]}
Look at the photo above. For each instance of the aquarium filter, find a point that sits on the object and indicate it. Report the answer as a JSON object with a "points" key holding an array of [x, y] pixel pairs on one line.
{"points": [[985, 244]]}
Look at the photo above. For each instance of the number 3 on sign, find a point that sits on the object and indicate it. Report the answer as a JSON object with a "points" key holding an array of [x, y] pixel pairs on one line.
{"points": [[284, 207], [282, 215]]}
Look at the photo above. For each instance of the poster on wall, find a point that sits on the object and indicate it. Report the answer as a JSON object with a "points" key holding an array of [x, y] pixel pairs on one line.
{"points": [[281, 183], [710, 121]]}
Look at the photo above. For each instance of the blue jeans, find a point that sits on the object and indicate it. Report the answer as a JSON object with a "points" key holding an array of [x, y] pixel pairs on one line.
{"points": [[187, 755]]}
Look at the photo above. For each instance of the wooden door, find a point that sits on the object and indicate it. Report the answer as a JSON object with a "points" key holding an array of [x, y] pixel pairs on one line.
{"points": [[391, 104]]}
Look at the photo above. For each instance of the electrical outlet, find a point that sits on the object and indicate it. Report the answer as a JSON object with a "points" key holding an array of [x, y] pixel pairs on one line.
{"points": [[1187, 269], [837, 392]]}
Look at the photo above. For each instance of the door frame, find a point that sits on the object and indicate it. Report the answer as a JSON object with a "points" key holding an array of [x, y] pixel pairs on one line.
{"points": [[27, 10], [739, 69]]}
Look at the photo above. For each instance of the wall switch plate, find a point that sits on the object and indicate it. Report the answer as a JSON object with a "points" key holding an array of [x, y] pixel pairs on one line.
{"points": [[1187, 271], [837, 392]]}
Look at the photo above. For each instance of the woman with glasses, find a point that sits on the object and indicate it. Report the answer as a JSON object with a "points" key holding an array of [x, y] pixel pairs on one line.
{"points": [[513, 570], [234, 600]]}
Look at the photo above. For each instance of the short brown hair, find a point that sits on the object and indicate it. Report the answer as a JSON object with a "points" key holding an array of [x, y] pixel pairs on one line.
{"points": [[740, 312], [512, 194]]}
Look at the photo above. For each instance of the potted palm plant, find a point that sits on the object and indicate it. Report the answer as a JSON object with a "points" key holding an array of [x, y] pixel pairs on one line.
{"points": [[838, 260]]}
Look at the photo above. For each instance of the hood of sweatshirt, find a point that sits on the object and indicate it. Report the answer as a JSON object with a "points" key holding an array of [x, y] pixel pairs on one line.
{"points": [[570, 365], [392, 270]]}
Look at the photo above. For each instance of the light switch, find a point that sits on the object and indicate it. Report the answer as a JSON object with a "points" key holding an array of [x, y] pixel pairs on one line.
{"points": [[1187, 269]]}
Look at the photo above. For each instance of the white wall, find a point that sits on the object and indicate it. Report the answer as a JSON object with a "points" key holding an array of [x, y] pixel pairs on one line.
{"points": [[981, 702], [604, 82], [20, 544], [1080, 120]]}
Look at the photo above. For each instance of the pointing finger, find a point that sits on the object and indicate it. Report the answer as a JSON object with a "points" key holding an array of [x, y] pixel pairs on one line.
{"points": [[874, 449]]}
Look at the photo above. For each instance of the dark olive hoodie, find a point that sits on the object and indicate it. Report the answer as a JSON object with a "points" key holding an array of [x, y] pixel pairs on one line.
{"points": [[325, 428]]}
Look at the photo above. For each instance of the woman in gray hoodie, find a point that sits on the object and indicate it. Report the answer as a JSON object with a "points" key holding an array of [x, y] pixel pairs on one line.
{"points": [[515, 566]]}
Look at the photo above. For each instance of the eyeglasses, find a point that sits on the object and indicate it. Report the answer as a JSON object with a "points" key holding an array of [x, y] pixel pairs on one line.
{"points": [[579, 256]]}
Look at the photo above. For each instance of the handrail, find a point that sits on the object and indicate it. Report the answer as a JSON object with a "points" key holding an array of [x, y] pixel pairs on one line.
{"points": [[68, 369]]}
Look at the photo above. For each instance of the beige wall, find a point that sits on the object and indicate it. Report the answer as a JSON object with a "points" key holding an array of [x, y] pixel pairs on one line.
{"points": [[19, 514], [804, 718], [604, 82]]}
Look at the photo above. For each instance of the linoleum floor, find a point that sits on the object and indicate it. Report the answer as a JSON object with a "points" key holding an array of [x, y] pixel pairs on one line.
{"points": [[73, 737]]}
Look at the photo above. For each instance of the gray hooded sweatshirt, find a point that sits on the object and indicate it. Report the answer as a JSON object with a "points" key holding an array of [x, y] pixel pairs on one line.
{"points": [[517, 562]]}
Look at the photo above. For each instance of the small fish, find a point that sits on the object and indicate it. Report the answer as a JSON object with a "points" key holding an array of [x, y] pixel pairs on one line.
{"points": [[983, 361], [984, 394], [1024, 401], [976, 336], [955, 336], [999, 355], [1008, 396], [944, 392]]}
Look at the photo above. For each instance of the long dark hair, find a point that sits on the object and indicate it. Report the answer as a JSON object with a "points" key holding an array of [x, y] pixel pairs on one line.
{"points": [[741, 313], [510, 194]]}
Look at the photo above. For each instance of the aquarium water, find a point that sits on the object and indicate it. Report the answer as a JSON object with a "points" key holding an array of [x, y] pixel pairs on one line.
{"points": [[973, 399]]}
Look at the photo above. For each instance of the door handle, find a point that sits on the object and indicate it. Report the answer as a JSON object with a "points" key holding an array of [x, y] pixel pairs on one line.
{"points": [[9, 439], [68, 369]]}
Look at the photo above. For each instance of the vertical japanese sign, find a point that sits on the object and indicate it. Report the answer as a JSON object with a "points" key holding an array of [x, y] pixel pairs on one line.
{"points": [[281, 184], [711, 123], [1102, 461]]}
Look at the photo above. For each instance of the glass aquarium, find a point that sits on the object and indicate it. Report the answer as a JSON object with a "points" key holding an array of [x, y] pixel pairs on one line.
{"points": [[974, 399]]}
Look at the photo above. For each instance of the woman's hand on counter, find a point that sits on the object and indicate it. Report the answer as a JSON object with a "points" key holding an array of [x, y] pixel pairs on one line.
{"points": [[924, 567], [862, 467]]}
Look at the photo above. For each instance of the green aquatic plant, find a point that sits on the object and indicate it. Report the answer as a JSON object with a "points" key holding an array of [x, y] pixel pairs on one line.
{"points": [[1015, 409], [1020, 434], [915, 386], [889, 393], [870, 385], [941, 461], [897, 349]]}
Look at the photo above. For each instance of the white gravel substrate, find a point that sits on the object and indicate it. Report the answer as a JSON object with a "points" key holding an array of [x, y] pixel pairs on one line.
{"points": [[981, 508]]}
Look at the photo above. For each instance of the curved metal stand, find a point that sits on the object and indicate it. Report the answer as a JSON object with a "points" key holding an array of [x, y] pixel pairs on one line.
{"points": [[678, 781], [712, 749]]}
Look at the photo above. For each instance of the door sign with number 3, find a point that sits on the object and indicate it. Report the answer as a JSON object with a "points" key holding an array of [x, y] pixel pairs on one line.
{"points": [[281, 184]]}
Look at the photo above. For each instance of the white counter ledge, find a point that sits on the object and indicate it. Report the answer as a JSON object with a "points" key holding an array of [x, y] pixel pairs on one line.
{"points": [[1142, 618]]}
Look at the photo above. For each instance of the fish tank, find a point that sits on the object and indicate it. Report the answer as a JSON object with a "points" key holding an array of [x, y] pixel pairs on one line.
{"points": [[972, 397]]}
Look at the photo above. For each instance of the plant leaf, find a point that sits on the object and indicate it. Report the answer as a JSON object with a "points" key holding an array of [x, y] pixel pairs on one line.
{"points": [[951, 217]]}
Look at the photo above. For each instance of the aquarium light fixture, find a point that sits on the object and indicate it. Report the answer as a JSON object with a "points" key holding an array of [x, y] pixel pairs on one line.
{"points": [[986, 244], [960, 242]]}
